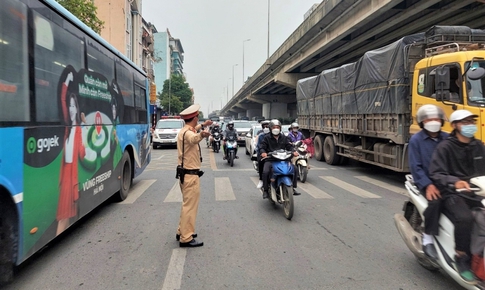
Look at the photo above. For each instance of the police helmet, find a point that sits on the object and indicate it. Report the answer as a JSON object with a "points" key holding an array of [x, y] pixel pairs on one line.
{"points": [[429, 111]]}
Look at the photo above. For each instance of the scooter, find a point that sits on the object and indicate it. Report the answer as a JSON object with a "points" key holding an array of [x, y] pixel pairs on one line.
{"points": [[410, 226], [231, 148], [301, 161], [216, 142], [281, 180]]}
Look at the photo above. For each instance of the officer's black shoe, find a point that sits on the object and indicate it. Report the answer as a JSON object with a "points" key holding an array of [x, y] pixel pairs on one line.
{"points": [[177, 236], [430, 251], [295, 192], [193, 243], [265, 194]]}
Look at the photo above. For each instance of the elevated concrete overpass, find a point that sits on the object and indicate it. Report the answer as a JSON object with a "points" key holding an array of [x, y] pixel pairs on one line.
{"points": [[339, 32]]}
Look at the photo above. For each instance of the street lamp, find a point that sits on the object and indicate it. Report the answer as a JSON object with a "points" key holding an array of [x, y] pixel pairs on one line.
{"points": [[267, 55], [243, 58], [233, 79]]}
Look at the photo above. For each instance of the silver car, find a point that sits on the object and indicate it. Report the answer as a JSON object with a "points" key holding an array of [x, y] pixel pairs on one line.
{"points": [[166, 132], [251, 139]]}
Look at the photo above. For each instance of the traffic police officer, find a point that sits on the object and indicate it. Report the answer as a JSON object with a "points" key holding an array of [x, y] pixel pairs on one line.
{"points": [[189, 160]]}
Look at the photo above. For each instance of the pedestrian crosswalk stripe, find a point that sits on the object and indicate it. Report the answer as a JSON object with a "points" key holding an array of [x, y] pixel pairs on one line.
{"points": [[382, 184], [313, 191], [137, 190], [175, 194], [223, 189], [349, 187], [175, 271]]}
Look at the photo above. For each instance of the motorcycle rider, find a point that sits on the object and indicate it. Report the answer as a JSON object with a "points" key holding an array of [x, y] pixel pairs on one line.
{"points": [[421, 147], [273, 141], [230, 131], [260, 134], [215, 128], [455, 161], [295, 135]]}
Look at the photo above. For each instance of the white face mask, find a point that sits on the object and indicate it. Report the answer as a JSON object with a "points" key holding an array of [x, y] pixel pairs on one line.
{"points": [[266, 130], [295, 130], [433, 126], [275, 131]]}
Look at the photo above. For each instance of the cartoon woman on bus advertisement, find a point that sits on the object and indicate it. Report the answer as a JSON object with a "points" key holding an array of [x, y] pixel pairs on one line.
{"points": [[74, 150]]}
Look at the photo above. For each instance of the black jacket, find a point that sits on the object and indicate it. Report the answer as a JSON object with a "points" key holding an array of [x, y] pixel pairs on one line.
{"points": [[270, 143], [453, 161]]}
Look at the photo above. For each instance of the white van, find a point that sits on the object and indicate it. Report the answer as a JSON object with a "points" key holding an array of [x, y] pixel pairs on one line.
{"points": [[166, 132]]}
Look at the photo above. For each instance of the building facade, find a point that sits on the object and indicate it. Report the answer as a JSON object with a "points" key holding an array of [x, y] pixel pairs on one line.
{"points": [[168, 57]]}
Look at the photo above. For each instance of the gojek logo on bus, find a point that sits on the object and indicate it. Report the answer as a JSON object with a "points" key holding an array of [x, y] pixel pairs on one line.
{"points": [[42, 144]]}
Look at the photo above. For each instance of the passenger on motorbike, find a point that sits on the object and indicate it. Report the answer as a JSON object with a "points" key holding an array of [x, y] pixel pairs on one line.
{"points": [[455, 161], [273, 141], [260, 134], [230, 131], [421, 147], [295, 135]]}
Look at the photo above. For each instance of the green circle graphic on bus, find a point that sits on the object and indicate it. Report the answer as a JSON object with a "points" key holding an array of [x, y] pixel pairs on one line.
{"points": [[31, 145], [97, 141]]}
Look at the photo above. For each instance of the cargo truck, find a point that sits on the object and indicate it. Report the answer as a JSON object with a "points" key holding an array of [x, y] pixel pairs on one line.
{"points": [[365, 110]]}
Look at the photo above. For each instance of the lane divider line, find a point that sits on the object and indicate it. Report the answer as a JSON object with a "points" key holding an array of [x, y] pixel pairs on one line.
{"points": [[137, 190]]}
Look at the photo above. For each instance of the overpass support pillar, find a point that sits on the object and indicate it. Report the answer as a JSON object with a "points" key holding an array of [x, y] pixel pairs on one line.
{"points": [[253, 113], [275, 110], [241, 114]]}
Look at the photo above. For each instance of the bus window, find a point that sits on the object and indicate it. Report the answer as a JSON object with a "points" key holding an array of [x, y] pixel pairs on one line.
{"points": [[55, 49], [101, 61], [14, 84], [140, 102], [124, 78]]}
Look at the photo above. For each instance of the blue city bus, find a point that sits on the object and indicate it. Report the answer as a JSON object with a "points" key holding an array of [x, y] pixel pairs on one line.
{"points": [[74, 125]]}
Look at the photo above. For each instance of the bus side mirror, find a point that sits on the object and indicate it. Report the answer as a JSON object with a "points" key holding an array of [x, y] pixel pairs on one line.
{"points": [[442, 83], [476, 73]]}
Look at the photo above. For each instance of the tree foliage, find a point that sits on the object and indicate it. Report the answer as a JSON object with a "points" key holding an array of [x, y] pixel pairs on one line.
{"points": [[201, 115], [177, 87], [85, 10], [172, 105]]}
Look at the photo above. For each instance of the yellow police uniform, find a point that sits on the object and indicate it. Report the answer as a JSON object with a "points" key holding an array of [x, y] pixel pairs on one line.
{"points": [[189, 139]]}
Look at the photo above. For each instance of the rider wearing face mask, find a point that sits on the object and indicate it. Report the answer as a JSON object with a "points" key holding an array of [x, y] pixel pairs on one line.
{"points": [[295, 135], [455, 161], [421, 147], [273, 141], [230, 131]]}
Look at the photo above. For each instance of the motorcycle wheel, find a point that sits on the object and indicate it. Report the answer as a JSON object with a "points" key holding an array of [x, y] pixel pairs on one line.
{"points": [[288, 205], [303, 171], [231, 158]]}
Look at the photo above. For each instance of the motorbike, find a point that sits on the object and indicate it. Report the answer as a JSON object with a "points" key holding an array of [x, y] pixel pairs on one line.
{"points": [[410, 226], [281, 180], [301, 161], [231, 147], [216, 142]]}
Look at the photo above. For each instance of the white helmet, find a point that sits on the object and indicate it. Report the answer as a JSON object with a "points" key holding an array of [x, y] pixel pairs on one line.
{"points": [[459, 115], [429, 111], [274, 122], [294, 125]]}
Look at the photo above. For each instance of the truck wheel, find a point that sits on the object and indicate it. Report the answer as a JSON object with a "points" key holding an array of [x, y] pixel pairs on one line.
{"points": [[318, 143], [330, 151]]}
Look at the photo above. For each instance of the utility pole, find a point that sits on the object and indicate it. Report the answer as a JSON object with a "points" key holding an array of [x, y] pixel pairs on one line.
{"points": [[267, 54], [243, 60], [233, 79]]}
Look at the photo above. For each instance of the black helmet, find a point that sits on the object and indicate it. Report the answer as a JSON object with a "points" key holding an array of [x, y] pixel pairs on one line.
{"points": [[230, 125]]}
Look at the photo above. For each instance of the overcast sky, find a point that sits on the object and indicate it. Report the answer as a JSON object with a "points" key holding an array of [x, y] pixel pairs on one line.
{"points": [[212, 34]]}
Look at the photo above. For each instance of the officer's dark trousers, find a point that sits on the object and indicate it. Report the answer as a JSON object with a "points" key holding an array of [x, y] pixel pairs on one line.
{"points": [[267, 168], [432, 216], [458, 210]]}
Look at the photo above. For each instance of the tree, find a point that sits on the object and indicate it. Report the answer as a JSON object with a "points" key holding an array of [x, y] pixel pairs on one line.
{"points": [[85, 10], [201, 115], [174, 104], [177, 87]]}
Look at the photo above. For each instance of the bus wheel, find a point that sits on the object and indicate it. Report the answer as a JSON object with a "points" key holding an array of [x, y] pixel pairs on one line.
{"points": [[8, 243], [126, 176], [319, 148]]}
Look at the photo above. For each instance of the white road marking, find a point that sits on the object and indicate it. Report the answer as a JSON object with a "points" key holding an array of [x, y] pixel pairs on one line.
{"points": [[175, 194], [159, 158], [396, 189], [230, 169], [313, 190], [137, 190], [349, 187], [223, 189], [173, 278]]}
